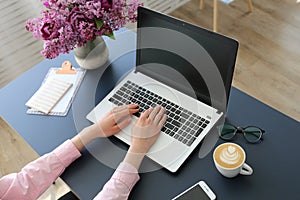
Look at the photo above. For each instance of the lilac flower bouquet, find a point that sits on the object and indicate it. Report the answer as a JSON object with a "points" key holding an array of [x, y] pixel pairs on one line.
{"points": [[66, 24]]}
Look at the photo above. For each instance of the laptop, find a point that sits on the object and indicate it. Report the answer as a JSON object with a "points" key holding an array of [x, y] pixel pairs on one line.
{"points": [[184, 68]]}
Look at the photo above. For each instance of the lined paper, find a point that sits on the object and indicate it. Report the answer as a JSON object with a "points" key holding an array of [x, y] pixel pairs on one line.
{"points": [[48, 95]]}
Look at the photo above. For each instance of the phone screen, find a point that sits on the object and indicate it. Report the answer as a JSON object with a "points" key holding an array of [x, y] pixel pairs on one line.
{"points": [[195, 193]]}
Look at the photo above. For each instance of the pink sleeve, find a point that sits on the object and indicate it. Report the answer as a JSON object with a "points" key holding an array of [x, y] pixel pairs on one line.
{"points": [[39, 174], [120, 184]]}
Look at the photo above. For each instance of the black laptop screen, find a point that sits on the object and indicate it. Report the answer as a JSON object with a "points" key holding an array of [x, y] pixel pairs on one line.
{"points": [[165, 53]]}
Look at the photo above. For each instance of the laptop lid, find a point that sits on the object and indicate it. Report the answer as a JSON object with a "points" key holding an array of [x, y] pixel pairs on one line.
{"points": [[163, 53]]}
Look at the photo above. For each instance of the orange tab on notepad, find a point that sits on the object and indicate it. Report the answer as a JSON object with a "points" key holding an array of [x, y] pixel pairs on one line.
{"points": [[66, 68]]}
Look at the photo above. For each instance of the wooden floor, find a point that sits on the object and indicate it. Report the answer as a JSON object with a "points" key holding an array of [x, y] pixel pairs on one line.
{"points": [[15, 153], [268, 63]]}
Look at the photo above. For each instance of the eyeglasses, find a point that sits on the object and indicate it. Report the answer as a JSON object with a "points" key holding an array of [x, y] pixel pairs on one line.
{"points": [[251, 133]]}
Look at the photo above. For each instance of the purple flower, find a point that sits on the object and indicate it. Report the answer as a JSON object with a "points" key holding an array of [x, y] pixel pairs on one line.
{"points": [[46, 4], [77, 19], [66, 24], [106, 4], [82, 24], [49, 30]]}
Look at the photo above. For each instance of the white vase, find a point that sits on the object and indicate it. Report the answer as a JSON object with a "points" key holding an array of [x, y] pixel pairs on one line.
{"points": [[92, 55]]}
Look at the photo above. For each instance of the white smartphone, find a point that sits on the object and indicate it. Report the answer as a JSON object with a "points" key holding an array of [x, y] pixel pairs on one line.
{"points": [[199, 191]]}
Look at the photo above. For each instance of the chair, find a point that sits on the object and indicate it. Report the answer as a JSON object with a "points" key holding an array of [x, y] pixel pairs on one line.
{"points": [[215, 17]]}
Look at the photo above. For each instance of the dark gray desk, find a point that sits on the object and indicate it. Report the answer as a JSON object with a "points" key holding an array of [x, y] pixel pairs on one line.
{"points": [[275, 160]]}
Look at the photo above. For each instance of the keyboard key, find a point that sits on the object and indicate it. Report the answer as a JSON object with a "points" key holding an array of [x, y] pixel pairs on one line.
{"points": [[170, 126], [182, 121], [190, 142], [172, 133], [180, 138], [176, 123], [197, 133], [117, 97], [184, 115], [120, 93], [175, 129]]}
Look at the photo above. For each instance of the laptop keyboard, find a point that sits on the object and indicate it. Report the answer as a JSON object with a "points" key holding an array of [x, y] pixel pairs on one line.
{"points": [[182, 124]]}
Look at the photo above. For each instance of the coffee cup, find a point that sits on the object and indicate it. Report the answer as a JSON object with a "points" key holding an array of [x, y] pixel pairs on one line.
{"points": [[229, 159]]}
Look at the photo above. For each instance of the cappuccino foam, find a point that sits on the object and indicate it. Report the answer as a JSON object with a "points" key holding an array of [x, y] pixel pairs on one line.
{"points": [[229, 155]]}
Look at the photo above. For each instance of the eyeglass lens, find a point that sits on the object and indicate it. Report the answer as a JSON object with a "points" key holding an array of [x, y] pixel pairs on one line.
{"points": [[252, 134], [227, 131]]}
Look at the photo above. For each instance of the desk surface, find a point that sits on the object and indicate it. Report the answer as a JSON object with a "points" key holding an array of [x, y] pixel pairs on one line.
{"points": [[275, 160]]}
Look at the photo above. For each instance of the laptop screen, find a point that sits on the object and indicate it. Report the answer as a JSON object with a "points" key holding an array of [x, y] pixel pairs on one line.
{"points": [[185, 57]]}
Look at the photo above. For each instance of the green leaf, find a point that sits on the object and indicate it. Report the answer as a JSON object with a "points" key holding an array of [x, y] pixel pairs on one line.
{"points": [[99, 23], [111, 35]]}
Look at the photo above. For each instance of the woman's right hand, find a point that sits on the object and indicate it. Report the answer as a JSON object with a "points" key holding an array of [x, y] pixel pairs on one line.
{"points": [[146, 129]]}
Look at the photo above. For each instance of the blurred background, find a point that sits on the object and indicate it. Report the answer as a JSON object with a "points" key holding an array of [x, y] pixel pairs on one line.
{"points": [[268, 59]]}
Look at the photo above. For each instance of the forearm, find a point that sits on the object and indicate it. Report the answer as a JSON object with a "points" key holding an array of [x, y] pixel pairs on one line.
{"points": [[134, 157], [87, 135], [120, 184], [77, 142], [38, 175], [125, 177]]}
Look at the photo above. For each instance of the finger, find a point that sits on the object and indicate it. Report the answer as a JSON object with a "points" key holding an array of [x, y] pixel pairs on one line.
{"points": [[132, 106], [124, 111], [146, 114], [124, 107], [132, 111], [162, 121], [159, 115], [154, 112]]}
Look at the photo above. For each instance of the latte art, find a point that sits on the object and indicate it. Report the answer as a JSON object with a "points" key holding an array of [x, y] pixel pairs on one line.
{"points": [[230, 155]]}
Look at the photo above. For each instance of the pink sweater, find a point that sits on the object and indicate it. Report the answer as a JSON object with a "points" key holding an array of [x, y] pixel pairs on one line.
{"points": [[38, 175]]}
